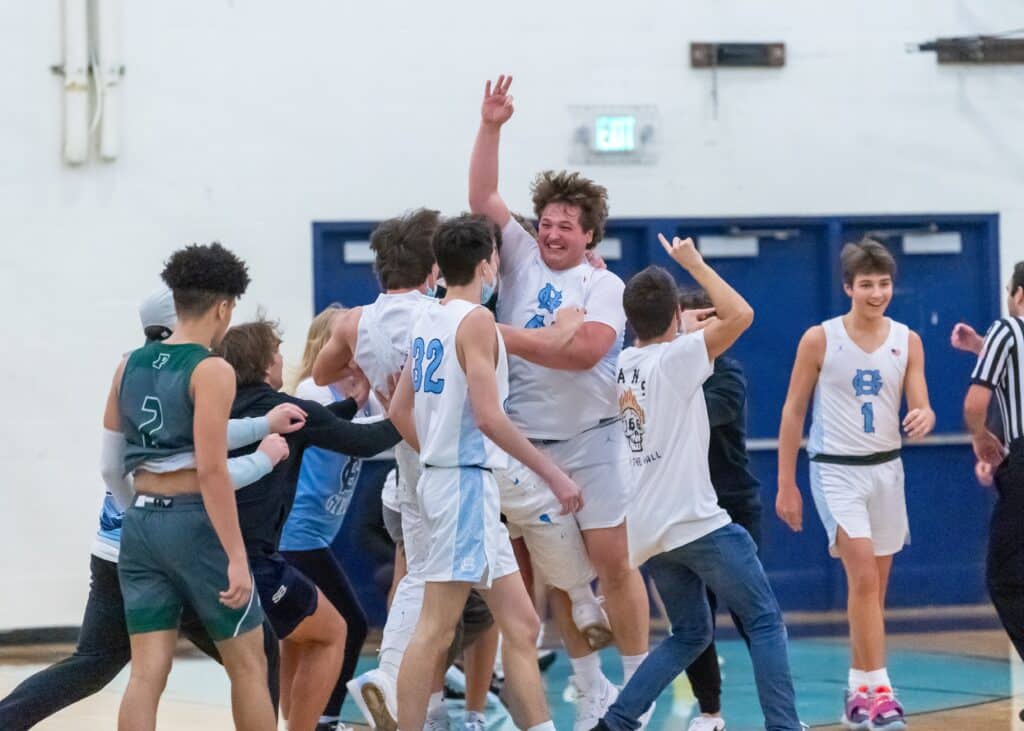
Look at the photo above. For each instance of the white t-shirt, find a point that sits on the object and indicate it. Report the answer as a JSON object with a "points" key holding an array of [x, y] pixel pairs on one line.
{"points": [[546, 403], [666, 423]]}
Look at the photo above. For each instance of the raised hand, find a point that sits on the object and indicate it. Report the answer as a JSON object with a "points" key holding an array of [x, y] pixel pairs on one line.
{"points": [[694, 320], [683, 251], [497, 106], [286, 418], [966, 338]]}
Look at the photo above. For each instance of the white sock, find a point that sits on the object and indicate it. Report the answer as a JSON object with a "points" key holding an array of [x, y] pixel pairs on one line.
{"points": [[878, 677], [581, 593], [546, 726], [436, 699], [475, 716], [629, 665], [857, 679], [587, 670], [328, 719]]}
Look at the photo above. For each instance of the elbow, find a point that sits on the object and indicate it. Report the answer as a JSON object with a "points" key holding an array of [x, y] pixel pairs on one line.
{"points": [[746, 316], [318, 375]]}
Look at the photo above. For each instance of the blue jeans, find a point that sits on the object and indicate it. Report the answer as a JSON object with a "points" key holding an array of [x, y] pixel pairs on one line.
{"points": [[726, 561]]}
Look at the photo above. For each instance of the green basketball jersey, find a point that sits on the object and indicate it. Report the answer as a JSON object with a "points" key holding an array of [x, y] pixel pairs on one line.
{"points": [[155, 403]]}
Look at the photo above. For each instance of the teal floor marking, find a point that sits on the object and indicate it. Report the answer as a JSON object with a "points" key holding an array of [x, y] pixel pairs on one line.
{"points": [[925, 681]]}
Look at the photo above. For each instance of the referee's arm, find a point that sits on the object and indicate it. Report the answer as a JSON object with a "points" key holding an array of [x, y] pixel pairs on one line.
{"points": [[996, 353]]}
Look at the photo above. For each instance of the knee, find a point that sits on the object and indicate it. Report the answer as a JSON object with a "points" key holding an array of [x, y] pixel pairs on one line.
{"points": [[864, 582], [613, 570]]}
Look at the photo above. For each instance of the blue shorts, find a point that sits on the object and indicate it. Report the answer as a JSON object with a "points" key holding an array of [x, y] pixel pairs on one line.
{"points": [[287, 595]]}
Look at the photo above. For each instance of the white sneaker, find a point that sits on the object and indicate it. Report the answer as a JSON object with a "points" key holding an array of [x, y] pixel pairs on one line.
{"points": [[646, 718], [375, 695], [706, 723], [592, 622], [437, 720], [591, 704]]}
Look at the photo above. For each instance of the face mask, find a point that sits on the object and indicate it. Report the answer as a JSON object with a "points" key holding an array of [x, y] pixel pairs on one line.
{"points": [[488, 290], [431, 291]]}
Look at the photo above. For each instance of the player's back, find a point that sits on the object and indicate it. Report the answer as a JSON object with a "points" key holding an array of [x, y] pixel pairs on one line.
{"points": [[858, 395], [445, 423], [156, 403], [382, 339]]}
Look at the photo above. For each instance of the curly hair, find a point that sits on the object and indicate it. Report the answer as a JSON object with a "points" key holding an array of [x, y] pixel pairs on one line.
{"points": [[403, 254], [572, 189], [201, 275], [250, 349]]}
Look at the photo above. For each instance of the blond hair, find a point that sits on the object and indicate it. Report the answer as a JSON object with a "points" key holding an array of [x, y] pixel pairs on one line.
{"points": [[316, 339]]}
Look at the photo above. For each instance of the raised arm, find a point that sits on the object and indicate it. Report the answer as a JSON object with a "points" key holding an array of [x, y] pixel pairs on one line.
{"points": [[335, 359], [495, 110], [734, 315], [920, 418], [327, 431], [809, 357], [213, 387], [477, 345]]}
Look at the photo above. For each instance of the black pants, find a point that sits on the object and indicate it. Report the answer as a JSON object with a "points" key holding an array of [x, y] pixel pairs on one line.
{"points": [[704, 674], [102, 652], [1005, 562], [323, 569]]}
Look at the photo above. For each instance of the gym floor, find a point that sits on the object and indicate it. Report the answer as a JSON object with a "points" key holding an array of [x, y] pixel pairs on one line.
{"points": [[953, 669]]}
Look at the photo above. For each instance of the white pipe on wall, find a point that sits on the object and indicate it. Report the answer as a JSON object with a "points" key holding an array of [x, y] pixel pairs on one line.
{"points": [[108, 76], [76, 81]]}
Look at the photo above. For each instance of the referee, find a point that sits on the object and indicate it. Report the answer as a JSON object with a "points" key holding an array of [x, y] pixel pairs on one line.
{"points": [[999, 369]]}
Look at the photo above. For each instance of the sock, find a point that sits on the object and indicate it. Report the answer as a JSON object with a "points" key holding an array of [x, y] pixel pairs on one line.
{"points": [[475, 716], [329, 719], [880, 677], [857, 678], [581, 593], [546, 726], [435, 702], [629, 665], [587, 670]]}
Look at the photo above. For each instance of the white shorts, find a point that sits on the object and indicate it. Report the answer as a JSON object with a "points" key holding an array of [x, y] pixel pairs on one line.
{"points": [[867, 501], [556, 546], [415, 535], [598, 461], [462, 520]]}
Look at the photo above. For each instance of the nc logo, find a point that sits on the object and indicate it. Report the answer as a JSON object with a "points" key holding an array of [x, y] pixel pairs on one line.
{"points": [[549, 298], [867, 383]]}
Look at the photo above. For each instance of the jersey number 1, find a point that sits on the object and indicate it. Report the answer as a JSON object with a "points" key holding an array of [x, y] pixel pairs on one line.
{"points": [[867, 410], [433, 352]]}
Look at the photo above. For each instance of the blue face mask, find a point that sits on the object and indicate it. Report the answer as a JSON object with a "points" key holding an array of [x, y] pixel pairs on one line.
{"points": [[488, 290], [431, 291]]}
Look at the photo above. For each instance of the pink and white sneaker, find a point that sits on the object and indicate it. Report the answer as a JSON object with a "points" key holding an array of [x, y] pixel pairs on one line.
{"points": [[886, 711], [857, 709]]}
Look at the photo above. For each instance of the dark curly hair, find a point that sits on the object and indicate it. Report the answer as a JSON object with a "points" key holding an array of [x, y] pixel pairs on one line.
{"points": [[202, 275], [403, 255], [572, 189], [250, 349]]}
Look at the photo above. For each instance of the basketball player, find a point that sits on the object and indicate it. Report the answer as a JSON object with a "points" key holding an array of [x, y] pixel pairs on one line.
{"points": [[688, 540], [449, 405], [563, 393], [858, 366], [180, 538]]}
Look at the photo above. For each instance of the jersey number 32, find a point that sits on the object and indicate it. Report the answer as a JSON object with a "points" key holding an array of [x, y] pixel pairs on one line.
{"points": [[432, 352]]}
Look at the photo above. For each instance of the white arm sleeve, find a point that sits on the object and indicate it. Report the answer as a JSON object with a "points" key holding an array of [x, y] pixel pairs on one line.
{"points": [[242, 432], [112, 468], [247, 469]]}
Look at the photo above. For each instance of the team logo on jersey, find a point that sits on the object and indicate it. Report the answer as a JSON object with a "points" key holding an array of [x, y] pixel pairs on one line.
{"points": [[867, 383], [549, 299], [161, 360], [633, 419]]}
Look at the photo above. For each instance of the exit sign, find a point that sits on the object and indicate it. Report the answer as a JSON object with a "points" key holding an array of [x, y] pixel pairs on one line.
{"points": [[615, 133]]}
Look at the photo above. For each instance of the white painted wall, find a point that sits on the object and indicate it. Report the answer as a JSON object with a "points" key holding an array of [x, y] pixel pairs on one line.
{"points": [[245, 121]]}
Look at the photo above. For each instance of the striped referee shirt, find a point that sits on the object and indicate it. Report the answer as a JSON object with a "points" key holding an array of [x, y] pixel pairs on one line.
{"points": [[999, 368]]}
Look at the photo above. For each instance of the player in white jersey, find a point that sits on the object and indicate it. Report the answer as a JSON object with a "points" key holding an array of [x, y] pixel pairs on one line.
{"points": [[449, 405], [563, 392], [858, 367]]}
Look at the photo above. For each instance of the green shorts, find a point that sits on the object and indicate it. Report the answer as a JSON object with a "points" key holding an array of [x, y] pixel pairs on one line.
{"points": [[170, 555]]}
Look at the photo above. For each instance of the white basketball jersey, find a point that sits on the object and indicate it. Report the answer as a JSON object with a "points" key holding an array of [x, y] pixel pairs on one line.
{"points": [[445, 423], [858, 396], [382, 338]]}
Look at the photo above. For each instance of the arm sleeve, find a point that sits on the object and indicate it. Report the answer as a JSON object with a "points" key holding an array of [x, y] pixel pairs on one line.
{"points": [[725, 391], [346, 409], [112, 468], [517, 247], [994, 356], [686, 362], [242, 432], [604, 302], [323, 429], [248, 468]]}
